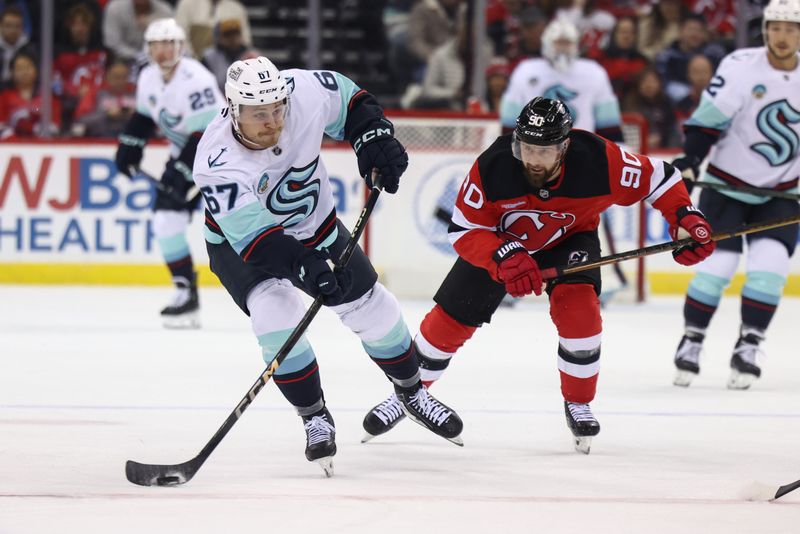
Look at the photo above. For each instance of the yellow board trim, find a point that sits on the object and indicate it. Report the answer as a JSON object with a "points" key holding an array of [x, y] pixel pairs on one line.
{"points": [[675, 283], [108, 274], [114, 274]]}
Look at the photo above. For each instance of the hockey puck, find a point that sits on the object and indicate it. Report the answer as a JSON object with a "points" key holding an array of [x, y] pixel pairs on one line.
{"points": [[168, 481]]}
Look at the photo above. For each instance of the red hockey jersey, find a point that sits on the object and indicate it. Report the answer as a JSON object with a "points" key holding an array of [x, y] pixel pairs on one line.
{"points": [[496, 203]]}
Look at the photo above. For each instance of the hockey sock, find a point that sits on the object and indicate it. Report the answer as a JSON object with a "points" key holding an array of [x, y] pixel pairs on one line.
{"points": [[575, 310], [440, 336], [182, 268], [760, 296], [702, 299], [301, 387]]}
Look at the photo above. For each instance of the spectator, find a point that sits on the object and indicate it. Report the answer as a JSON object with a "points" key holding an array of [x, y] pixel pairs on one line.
{"points": [[699, 73], [20, 104], [497, 74], [80, 64], [198, 18], [104, 111], [124, 24], [649, 99], [30, 16], [529, 42], [622, 61], [672, 62], [229, 47], [661, 27], [443, 86], [503, 19], [13, 40], [594, 24], [431, 24], [402, 64]]}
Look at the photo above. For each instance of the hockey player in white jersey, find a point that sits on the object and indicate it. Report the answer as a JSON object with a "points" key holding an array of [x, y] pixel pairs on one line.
{"points": [[271, 227], [179, 96], [748, 123], [582, 84]]}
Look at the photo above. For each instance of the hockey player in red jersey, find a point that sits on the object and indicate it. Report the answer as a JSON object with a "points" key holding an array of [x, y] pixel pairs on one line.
{"points": [[532, 199]]}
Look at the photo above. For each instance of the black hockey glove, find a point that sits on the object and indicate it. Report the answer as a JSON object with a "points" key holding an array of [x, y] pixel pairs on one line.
{"points": [[129, 154], [689, 166], [176, 181], [318, 279], [377, 148]]}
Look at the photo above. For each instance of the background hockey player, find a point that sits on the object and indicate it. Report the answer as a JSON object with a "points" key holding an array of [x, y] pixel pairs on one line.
{"points": [[180, 96], [749, 121], [581, 83], [534, 198], [271, 223]]}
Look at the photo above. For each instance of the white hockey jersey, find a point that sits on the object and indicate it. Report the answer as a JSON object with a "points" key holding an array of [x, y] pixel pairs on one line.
{"points": [[584, 88], [250, 191], [184, 105], [757, 109]]}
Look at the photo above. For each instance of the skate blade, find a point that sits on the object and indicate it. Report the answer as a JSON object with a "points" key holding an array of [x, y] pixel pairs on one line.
{"points": [[683, 378], [182, 322], [367, 437], [739, 380], [326, 464], [455, 439], [583, 444]]}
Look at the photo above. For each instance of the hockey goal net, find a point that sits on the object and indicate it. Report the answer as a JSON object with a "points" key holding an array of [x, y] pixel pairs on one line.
{"points": [[408, 238]]}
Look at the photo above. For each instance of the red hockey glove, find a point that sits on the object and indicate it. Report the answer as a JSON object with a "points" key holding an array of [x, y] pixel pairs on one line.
{"points": [[692, 223], [517, 270]]}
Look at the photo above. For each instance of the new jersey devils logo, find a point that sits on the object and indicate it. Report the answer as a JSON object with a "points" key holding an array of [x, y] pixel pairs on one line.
{"points": [[536, 229]]}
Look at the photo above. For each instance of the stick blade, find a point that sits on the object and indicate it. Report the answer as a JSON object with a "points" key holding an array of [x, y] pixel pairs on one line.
{"points": [[758, 491], [159, 475]]}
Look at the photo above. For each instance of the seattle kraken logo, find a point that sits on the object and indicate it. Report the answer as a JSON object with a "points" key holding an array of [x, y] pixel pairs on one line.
{"points": [[168, 122], [293, 196], [559, 92], [774, 122]]}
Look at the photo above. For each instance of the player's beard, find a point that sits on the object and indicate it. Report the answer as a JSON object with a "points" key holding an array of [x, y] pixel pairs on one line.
{"points": [[782, 56], [539, 176]]}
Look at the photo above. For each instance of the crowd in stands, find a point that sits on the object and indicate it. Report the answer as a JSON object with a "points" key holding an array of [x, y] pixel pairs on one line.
{"points": [[659, 55]]}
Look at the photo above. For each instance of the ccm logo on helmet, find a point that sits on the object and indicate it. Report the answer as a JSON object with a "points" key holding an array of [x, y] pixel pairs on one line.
{"points": [[371, 135], [535, 120]]}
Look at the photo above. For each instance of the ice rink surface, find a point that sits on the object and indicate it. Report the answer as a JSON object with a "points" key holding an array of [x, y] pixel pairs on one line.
{"points": [[89, 379]]}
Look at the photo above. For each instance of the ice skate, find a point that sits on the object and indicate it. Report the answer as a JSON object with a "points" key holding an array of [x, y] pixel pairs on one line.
{"points": [[382, 418], [687, 360], [744, 366], [582, 424], [184, 310], [320, 439], [423, 408]]}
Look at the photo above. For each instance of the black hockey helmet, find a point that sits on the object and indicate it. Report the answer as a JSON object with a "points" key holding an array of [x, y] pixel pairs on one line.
{"points": [[543, 121]]}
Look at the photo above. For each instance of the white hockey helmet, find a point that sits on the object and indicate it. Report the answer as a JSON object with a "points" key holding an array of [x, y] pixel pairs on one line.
{"points": [[560, 29], [254, 82], [165, 30]]}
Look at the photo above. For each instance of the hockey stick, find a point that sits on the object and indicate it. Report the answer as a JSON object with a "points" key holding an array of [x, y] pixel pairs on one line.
{"points": [[758, 491], [172, 475], [748, 189], [191, 194], [555, 272]]}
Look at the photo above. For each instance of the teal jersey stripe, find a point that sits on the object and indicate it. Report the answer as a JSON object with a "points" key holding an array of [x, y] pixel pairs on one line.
{"points": [[299, 357], [707, 115], [607, 115], [509, 111], [347, 88], [198, 122], [243, 225]]}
